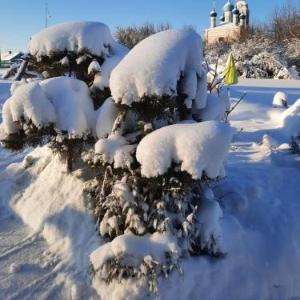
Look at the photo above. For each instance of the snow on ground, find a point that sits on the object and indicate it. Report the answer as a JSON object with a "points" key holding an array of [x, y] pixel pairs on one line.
{"points": [[261, 225]]}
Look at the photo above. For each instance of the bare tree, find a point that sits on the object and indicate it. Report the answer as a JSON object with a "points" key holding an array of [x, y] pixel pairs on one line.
{"points": [[285, 22], [132, 35]]}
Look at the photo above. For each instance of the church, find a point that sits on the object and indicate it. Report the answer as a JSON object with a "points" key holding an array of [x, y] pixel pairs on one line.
{"points": [[233, 21]]}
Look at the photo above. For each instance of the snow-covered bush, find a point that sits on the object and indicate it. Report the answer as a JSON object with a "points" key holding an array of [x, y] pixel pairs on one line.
{"points": [[258, 56], [167, 64], [62, 107], [84, 50], [149, 172], [156, 160], [58, 109]]}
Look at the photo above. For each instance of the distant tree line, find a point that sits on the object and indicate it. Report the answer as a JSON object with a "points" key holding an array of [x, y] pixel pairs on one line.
{"points": [[132, 35]]}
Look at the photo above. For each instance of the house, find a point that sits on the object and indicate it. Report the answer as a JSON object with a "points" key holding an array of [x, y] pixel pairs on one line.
{"points": [[9, 58], [234, 20]]}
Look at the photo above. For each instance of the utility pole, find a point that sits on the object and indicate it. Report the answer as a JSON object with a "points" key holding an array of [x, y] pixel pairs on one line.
{"points": [[47, 14]]}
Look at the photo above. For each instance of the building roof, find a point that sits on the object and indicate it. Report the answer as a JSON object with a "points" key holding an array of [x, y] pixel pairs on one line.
{"points": [[224, 26], [8, 56]]}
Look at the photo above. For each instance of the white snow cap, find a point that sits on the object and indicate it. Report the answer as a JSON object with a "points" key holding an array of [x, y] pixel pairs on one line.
{"points": [[155, 65], [63, 101], [198, 147], [280, 99], [94, 37], [73, 36]]}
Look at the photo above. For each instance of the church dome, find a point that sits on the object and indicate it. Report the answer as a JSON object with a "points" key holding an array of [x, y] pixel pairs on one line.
{"points": [[228, 7], [222, 18], [236, 11], [213, 13], [242, 17]]}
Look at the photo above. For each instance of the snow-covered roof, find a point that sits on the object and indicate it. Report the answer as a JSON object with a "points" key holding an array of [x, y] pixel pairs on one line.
{"points": [[73, 36], [155, 65], [224, 26], [7, 56]]}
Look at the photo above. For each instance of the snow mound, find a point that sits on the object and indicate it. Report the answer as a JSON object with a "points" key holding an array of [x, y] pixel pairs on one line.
{"points": [[77, 37], [198, 147], [63, 101], [290, 120], [280, 99], [155, 66]]}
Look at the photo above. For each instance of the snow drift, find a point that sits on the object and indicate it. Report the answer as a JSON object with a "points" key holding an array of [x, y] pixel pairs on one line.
{"points": [[198, 147], [155, 66]]}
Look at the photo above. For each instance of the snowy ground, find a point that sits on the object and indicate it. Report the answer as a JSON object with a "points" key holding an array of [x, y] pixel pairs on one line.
{"points": [[260, 199]]}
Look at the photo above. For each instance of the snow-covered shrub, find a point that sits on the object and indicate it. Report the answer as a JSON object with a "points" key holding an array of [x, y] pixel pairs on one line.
{"points": [[154, 176], [167, 64], [258, 56], [149, 171], [84, 50], [280, 100], [59, 109], [62, 107]]}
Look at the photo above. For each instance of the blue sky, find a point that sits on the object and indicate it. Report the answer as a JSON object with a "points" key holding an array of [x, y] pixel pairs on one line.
{"points": [[20, 19]]}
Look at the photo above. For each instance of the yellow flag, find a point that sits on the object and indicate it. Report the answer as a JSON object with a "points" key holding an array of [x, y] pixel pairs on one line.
{"points": [[230, 72]]}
